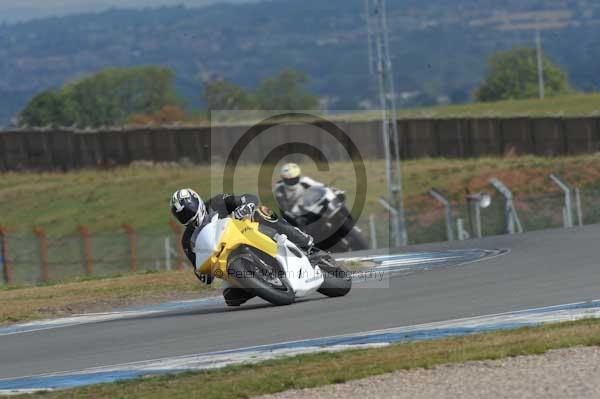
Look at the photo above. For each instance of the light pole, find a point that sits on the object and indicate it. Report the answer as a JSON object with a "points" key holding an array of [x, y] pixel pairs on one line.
{"points": [[540, 63], [379, 40]]}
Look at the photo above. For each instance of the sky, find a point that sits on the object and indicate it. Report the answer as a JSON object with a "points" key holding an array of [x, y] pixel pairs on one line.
{"points": [[22, 10]]}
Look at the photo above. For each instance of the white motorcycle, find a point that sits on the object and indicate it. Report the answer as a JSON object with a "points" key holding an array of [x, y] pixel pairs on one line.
{"points": [[323, 214], [276, 270]]}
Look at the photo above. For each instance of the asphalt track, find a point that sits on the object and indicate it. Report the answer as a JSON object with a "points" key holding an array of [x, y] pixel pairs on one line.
{"points": [[542, 269]]}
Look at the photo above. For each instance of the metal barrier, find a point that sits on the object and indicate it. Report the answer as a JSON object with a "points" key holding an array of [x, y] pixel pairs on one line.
{"points": [[37, 258], [506, 214]]}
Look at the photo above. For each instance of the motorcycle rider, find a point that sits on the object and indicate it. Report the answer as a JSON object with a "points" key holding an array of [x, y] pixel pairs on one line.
{"points": [[292, 186], [192, 212]]}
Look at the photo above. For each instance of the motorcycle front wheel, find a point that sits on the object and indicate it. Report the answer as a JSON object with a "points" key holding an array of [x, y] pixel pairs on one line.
{"points": [[265, 280], [338, 280]]}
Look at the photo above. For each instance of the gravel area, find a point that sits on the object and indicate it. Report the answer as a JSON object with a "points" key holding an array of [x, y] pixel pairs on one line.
{"points": [[565, 373]]}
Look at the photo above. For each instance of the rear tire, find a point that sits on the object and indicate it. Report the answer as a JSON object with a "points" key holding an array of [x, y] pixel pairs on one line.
{"points": [[348, 237], [356, 240], [244, 269]]}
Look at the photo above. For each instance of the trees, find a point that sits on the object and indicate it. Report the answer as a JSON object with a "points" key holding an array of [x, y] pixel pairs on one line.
{"points": [[117, 96], [106, 98], [224, 95], [284, 91], [46, 108], [166, 115], [513, 75]]}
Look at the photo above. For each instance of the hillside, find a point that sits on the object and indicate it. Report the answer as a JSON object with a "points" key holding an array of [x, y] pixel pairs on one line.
{"points": [[439, 48], [26, 10]]}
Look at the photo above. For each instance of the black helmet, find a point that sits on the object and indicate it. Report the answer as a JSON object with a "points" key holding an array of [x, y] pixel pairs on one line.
{"points": [[188, 207]]}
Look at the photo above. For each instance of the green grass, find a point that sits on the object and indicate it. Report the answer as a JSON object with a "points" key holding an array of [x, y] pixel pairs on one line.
{"points": [[566, 106], [105, 199], [571, 105], [139, 194], [309, 371], [95, 294], [85, 294]]}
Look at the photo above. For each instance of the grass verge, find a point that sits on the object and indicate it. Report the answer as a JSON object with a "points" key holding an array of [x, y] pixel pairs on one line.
{"points": [[95, 198], [96, 295], [572, 105], [567, 106], [104, 293], [308, 371]]}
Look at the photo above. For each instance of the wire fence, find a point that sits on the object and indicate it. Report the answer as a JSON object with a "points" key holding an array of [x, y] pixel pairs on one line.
{"points": [[535, 213], [34, 258]]}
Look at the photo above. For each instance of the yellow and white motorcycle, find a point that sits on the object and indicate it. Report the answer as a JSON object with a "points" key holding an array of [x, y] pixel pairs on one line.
{"points": [[274, 269]]}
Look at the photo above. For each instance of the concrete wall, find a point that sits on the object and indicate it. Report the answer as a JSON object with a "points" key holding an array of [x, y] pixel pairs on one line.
{"points": [[453, 138]]}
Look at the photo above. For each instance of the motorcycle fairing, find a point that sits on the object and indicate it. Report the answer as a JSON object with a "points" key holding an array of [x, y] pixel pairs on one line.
{"points": [[219, 238], [303, 277]]}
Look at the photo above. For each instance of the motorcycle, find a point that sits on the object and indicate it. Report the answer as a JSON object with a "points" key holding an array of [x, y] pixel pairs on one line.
{"points": [[274, 269], [323, 214]]}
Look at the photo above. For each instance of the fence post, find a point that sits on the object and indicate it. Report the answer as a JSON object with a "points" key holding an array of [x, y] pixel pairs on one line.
{"points": [[132, 246], [87, 249], [475, 202], [568, 213], [460, 227], [41, 236], [474, 216], [180, 255], [5, 254], [373, 231], [579, 208], [437, 195], [168, 250], [513, 223]]}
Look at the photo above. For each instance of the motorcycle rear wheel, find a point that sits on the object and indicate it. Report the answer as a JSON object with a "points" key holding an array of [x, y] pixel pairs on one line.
{"points": [[356, 240]]}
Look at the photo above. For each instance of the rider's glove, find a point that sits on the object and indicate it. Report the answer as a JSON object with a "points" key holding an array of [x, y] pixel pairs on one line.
{"points": [[244, 211], [340, 194], [204, 278]]}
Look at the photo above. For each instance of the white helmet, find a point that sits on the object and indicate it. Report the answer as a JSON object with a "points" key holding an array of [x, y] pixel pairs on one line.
{"points": [[290, 174]]}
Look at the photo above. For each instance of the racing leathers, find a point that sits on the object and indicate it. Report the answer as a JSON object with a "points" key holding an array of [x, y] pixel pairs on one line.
{"points": [[287, 196]]}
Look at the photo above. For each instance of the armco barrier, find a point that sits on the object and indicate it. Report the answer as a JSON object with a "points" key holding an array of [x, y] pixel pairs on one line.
{"points": [[60, 149]]}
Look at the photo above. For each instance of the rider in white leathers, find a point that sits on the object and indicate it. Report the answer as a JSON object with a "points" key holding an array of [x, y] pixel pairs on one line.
{"points": [[292, 186]]}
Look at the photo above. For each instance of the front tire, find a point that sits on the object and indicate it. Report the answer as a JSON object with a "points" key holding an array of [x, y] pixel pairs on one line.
{"points": [[252, 276], [338, 279]]}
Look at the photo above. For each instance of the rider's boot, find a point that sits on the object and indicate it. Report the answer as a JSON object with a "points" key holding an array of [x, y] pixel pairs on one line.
{"points": [[236, 296], [272, 225], [319, 257]]}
